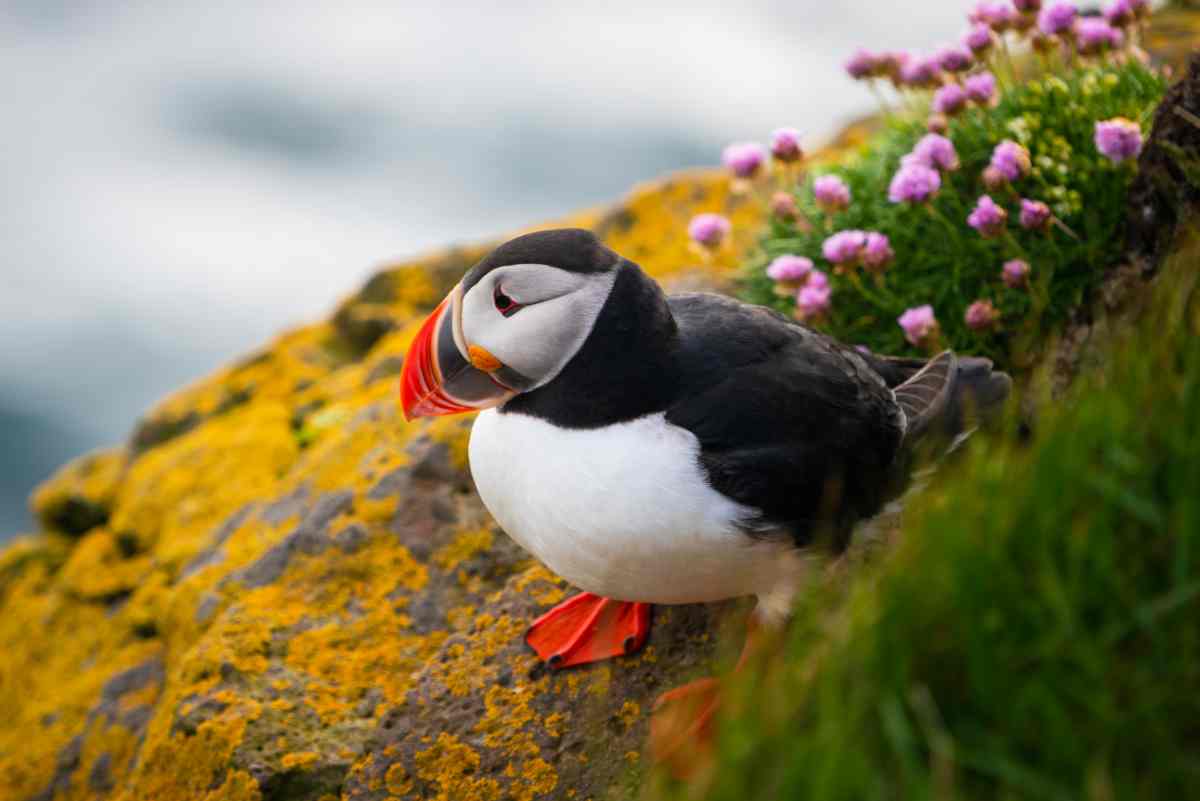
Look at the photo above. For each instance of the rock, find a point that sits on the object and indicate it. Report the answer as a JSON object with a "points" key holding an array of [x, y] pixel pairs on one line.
{"points": [[80, 496], [1167, 186]]}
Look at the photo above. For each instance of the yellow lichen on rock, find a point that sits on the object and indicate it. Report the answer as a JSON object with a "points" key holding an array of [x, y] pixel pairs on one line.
{"points": [[465, 545], [175, 494], [80, 495], [449, 767]]}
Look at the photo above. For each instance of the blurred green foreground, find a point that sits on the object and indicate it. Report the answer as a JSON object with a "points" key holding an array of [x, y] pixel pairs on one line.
{"points": [[1036, 634]]}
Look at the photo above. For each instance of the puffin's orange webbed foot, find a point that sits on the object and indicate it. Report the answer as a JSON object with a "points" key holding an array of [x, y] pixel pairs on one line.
{"points": [[588, 628], [681, 727], [683, 721]]}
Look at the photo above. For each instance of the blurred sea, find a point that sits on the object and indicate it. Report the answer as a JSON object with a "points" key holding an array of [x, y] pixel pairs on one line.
{"points": [[180, 180]]}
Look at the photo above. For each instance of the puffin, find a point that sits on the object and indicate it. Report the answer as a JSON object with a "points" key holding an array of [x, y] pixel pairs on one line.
{"points": [[669, 449]]}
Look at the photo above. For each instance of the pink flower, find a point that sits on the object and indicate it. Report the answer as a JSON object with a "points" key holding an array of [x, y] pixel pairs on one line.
{"points": [[979, 39], [1057, 18], [1120, 13], [954, 59], [999, 16], [709, 230], [949, 100], [789, 268], [892, 63], [813, 299], [981, 87], [993, 179], [844, 247], [935, 151], [914, 183], [785, 145], [981, 315], [818, 279], [1011, 160], [1034, 214], [783, 206], [918, 323], [877, 251], [1118, 139], [744, 159], [1015, 273], [1093, 35], [831, 193], [987, 218], [920, 72], [862, 64]]}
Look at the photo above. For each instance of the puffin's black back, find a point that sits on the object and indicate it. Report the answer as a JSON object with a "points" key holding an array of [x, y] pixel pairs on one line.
{"points": [[790, 421]]}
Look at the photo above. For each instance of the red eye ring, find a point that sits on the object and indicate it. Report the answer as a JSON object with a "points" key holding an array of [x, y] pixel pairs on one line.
{"points": [[504, 304]]}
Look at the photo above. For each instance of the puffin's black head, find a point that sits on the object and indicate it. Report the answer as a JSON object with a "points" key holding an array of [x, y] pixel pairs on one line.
{"points": [[511, 325]]}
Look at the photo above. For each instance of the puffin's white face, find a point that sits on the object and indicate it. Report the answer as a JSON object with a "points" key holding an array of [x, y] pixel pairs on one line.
{"points": [[533, 318], [511, 331]]}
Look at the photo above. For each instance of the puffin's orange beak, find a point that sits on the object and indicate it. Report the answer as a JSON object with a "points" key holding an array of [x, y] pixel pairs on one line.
{"points": [[442, 375]]}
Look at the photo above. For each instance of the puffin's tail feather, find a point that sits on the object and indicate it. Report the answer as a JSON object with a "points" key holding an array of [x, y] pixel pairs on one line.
{"points": [[926, 395], [948, 395]]}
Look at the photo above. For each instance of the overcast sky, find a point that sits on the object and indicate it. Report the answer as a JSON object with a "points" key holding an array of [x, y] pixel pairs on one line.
{"points": [[179, 180]]}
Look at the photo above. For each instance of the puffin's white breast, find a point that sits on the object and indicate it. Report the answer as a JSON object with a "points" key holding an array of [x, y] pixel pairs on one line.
{"points": [[623, 511]]}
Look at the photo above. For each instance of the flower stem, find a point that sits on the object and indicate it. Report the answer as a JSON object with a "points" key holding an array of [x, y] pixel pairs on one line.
{"points": [[956, 238], [880, 303], [1014, 245], [1062, 226]]}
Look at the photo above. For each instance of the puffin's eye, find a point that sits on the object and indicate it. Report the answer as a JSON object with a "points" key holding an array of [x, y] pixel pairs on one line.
{"points": [[504, 304]]}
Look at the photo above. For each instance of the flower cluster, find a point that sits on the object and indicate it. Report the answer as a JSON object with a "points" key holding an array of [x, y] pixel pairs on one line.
{"points": [[1015, 273], [980, 88], [981, 315], [785, 145], [914, 183], [813, 298], [1035, 215], [790, 270], [919, 324], [845, 250], [935, 152], [870, 249], [989, 188], [744, 159], [919, 178], [709, 230], [1119, 139], [950, 72], [831, 193], [987, 218], [747, 161], [796, 276]]}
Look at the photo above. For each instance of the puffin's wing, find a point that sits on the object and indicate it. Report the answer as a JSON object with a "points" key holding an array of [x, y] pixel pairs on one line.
{"points": [[791, 423]]}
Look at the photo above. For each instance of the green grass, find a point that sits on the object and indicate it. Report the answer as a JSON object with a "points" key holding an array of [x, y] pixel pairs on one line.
{"points": [[1035, 634], [940, 260]]}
